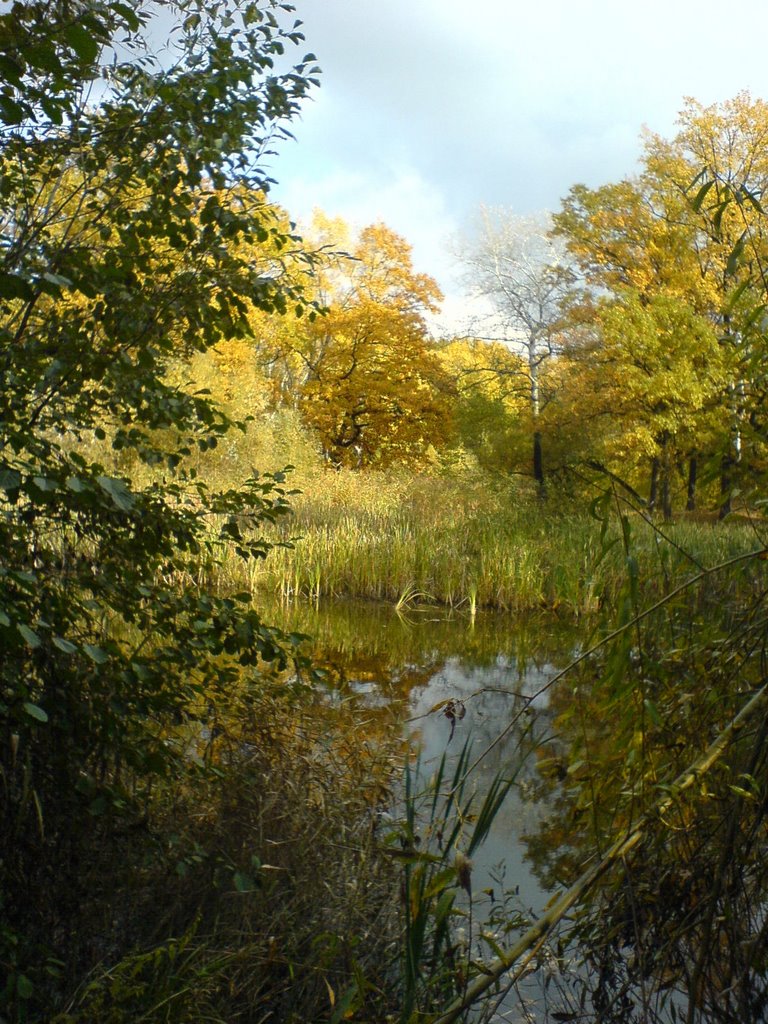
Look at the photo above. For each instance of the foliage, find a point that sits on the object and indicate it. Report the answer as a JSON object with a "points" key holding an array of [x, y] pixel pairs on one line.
{"points": [[364, 375], [145, 715], [261, 904], [128, 183], [439, 834], [464, 540], [372, 386], [523, 271], [686, 234], [492, 411], [679, 922], [656, 371]]}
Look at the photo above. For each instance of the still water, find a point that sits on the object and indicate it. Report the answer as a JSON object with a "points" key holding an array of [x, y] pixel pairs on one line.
{"points": [[457, 680]]}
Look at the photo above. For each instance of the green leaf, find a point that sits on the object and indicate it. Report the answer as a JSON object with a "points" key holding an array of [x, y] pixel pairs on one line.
{"points": [[98, 806], [45, 484], [130, 16], [64, 645], [701, 195], [83, 43], [652, 711], [243, 882], [24, 987], [10, 480], [35, 712], [489, 938], [752, 199], [10, 69], [735, 255], [736, 295], [743, 793], [45, 57], [11, 112], [117, 491], [11, 285], [96, 654], [28, 634], [57, 281], [717, 216]]}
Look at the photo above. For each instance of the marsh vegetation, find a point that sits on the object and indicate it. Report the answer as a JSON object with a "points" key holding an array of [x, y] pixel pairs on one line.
{"points": [[212, 806]]}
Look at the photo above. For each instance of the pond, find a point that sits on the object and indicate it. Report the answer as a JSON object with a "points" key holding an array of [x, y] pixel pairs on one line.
{"points": [[456, 679], [654, 939]]}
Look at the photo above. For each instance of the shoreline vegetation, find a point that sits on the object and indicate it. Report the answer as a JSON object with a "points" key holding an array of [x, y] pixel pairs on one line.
{"points": [[257, 901], [197, 826], [410, 539]]}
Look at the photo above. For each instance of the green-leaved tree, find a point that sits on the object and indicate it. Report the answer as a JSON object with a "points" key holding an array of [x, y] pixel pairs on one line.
{"points": [[129, 180]]}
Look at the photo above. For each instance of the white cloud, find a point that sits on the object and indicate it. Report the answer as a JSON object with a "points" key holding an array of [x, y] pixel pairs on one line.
{"points": [[429, 108], [398, 196]]}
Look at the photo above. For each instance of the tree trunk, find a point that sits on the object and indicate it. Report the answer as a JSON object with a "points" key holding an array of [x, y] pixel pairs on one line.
{"points": [[653, 489], [538, 462], [726, 483], [693, 470], [538, 458], [666, 494], [665, 467]]}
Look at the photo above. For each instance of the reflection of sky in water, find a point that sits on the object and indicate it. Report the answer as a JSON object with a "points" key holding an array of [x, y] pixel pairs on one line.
{"points": [[496, 665], [498, 669], [498, 697], [494, 697]]}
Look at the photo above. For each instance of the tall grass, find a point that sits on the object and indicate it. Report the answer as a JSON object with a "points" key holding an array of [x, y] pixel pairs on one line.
{"points": [[460, 543], [458, 537], [258, 890], [441, 829]]}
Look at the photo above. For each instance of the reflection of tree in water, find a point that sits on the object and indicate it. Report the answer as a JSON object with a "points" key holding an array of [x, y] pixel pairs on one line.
{"points": [[425, 635], [494, 665], [678, 930], [498, 670], [496, 698]]}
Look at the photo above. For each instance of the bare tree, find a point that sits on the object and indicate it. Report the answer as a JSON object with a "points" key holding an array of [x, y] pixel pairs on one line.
{"points": [[524, 274]]}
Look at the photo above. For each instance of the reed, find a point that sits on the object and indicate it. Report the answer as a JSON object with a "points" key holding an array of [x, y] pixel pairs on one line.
{"points": [[457, 542], [268, 890]]}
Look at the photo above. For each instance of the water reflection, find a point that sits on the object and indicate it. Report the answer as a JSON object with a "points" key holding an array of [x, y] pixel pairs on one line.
{"points": [[508, 698], [453, 679], [495, 670], [499, 696], [449, 679]]}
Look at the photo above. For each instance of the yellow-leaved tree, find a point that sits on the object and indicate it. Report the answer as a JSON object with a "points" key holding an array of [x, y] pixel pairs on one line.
{"points": [[493, 410], [366, 377], [356, 362], [672, 262]]}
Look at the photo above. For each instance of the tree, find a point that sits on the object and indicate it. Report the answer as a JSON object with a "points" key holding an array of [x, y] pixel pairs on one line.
{"points": [[670, 233], [129, 186], [491, 416], [515, 263], [372, 386], [718, 162], [649, 372]]}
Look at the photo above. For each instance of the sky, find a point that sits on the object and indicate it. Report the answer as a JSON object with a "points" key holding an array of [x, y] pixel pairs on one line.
{"points": [[429, 109]]}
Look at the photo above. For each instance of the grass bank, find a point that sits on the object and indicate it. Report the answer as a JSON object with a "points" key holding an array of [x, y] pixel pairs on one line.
{"points": [[463, 543]]}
